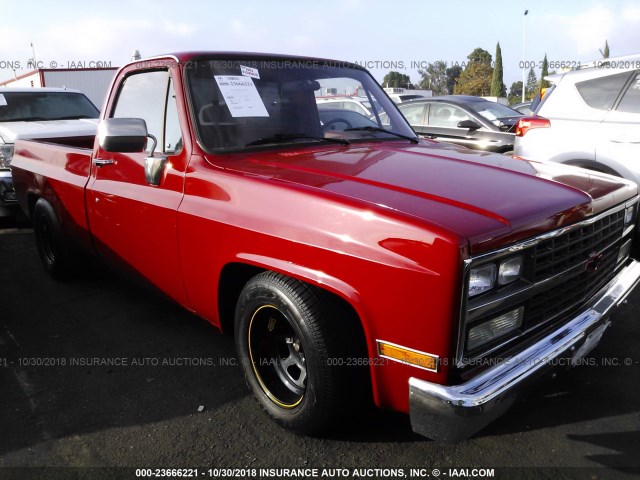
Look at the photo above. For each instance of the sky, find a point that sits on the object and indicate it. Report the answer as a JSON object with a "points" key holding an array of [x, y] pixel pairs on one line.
{"points": [[381, 35]]}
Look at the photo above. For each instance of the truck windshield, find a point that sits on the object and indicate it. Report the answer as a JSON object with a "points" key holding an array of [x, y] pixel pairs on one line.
{"points": [[38, 105], [243, 103]]}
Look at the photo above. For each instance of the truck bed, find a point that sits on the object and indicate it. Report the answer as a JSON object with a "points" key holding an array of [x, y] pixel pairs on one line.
{"points": [[58, 170]]}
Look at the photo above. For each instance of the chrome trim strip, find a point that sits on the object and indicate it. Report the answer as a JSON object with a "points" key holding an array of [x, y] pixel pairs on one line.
{"points": [[148, 60], [628, 230], [546, 236], [453, 413], [462, 321], [437, 357], [534, 289]]}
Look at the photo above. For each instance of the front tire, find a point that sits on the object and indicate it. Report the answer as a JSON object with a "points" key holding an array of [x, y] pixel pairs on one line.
{"points": [[292, 341]]}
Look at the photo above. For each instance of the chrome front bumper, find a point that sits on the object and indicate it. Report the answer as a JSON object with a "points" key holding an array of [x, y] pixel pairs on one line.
{"points": [[8, 202], [7, 193], [452, 414]]}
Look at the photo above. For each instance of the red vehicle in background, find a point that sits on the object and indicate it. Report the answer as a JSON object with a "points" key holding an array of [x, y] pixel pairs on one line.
{"points": [[350, 260]]}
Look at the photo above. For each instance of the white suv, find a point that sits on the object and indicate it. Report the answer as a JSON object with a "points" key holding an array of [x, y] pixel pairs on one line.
{"points": [[590, 118]]}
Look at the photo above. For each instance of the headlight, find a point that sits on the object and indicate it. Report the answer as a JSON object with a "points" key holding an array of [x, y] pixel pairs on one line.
{"points": [[495, 328], [6, 154], [482, 279], [510, 271], [629, 214]]}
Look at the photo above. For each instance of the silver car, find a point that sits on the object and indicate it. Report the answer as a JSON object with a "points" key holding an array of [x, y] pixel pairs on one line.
{"points": [[590, 118]]}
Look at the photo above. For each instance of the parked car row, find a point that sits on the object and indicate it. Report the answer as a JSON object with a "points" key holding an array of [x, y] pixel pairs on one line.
{"points": [[468, 121]]}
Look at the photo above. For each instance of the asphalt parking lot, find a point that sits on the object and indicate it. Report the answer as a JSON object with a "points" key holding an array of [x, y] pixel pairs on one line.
{"points": [[100, 373]]}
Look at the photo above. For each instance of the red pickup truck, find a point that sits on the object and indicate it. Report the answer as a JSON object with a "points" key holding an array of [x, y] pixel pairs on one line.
{"points": [[350, 260]]}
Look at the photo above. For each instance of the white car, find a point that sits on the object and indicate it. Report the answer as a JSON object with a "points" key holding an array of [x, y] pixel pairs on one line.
{"points": [[362, 105], [589, 118], [405, 97], [28, 113]]}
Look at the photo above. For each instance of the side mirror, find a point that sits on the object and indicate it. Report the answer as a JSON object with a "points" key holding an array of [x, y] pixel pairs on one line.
{"points": [[129, 135], [123, 135], [469, 125]]}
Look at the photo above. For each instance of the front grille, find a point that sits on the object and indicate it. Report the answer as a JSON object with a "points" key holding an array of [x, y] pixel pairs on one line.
{"points": [[557, 254], [565, 297]]}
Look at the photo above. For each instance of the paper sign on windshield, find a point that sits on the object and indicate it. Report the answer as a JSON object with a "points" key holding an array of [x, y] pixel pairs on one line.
{"points": [[250, 72], [241, 96]]}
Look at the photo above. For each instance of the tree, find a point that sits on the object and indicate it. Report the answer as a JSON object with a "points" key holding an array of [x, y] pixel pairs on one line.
{"points": [[434, 78], [544, 73], [532, 85], [498, 88], [453, 73], [481, 56], [396, 79], [474, 80], [477, 75], [605, 52], [515, 92]]}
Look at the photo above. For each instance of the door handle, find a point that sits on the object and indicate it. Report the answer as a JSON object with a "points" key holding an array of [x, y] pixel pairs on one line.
{"points": [[101, 163]]}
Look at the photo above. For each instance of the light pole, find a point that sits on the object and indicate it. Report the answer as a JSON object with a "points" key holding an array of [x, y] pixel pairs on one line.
{"points": [[33, 50], [524, 43]]}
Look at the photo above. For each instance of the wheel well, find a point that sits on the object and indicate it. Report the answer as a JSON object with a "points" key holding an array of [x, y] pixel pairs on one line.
{"points": [[32, 199], [235, 276]]}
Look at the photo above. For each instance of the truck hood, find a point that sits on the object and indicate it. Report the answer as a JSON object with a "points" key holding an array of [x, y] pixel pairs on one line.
{"points": [[11, 131], [486, 199]]}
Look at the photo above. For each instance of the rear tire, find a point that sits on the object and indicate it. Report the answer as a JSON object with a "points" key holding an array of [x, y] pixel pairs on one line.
{"points": [[52, 248], [293, 341]]}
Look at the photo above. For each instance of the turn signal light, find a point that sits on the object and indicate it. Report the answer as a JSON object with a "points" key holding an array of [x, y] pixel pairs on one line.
{"points": [[408, 356]]}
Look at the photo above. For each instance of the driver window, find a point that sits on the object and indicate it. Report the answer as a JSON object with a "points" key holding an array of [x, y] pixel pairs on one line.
{"points": [[413, 113], [150, 96], [444, 115]]}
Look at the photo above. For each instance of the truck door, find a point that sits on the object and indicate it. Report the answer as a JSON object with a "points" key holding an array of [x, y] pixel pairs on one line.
{"points": [[134, 223]]}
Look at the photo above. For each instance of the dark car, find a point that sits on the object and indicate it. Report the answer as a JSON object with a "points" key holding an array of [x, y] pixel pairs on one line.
{"points": [[473, 122], [340, 120], [523, 107]]}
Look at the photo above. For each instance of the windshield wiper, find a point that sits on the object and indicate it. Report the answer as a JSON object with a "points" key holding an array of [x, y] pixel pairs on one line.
{"points": [[73, 117], [382, 130], [27, 119], [285, 137]]}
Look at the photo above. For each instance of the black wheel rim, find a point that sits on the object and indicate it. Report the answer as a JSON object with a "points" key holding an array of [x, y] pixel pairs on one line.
{"points": [[46, 240], [277, 357]]}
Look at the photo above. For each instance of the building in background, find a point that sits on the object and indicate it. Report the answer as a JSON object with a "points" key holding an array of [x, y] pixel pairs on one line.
{"points": [[93, 82]]}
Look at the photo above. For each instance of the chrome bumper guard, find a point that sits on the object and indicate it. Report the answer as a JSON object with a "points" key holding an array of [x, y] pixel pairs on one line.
{"points": [[452, 414]]}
